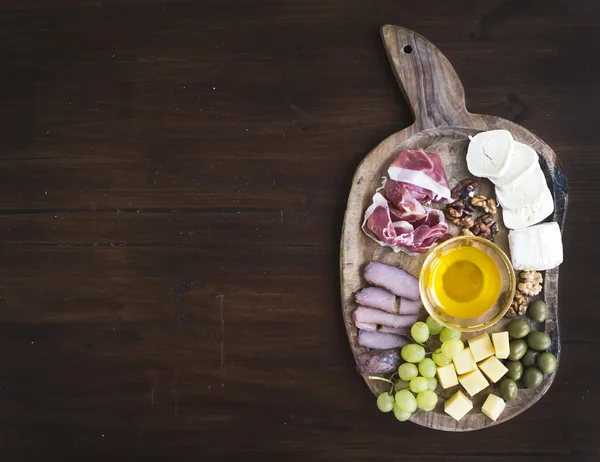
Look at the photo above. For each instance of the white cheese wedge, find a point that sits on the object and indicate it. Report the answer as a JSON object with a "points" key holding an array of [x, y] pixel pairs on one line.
{"points": [[517, 195], [458, 405], [536, 248], [493, 406], [523, 160], [536, 211], [489, 153]]}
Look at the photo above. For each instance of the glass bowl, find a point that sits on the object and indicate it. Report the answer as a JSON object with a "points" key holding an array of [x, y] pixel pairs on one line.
{"points": [[488, 316]]}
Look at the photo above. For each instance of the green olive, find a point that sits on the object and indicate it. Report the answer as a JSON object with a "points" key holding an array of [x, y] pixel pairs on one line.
{"points": [[529, 358], [546, 362], [508, 389], [515, 370], [517, 349], [532, 377], [539, 341], [519, 328], [537, 311]]}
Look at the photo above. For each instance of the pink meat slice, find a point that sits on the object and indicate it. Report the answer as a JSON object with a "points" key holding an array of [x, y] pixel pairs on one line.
{"points": [[422, 169], [412, 238], [377, 298], [379, 341], [384, 329], [367, 327], [410, 306], [405, 200], [366, 315], [393, 279]]}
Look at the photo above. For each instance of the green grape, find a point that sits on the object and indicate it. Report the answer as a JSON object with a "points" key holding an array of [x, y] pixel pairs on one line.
{"points": [[451, 347], [401, 415], [418, 384], [419, 332], [385, 402], [408, 371], [434, 327], [412, 353], [440, 359], [406, 401], [432, 383], [426, 400], [401, 385], [446, 334], [427, 368]]}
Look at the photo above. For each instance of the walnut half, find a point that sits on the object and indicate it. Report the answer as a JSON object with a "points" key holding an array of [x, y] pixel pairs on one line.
{"points": [[485, 226], [530, 282], [487, 204]]}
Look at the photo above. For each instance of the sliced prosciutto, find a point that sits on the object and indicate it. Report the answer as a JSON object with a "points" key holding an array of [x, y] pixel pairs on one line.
{"points": [[423, 172], [380, 341], [401, 235], [398, 217]]}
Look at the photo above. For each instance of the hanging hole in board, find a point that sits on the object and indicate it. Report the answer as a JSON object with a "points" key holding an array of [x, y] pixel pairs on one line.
{"points": [[407, 49]]}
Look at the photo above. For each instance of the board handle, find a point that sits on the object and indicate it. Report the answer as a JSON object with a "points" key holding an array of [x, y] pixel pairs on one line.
{"points": [[427, 79]]}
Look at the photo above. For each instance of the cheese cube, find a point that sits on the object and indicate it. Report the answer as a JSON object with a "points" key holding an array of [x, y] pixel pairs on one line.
{"points": [[473, 382], [464, 362], [536, 248], [447, 376], [493, 406], [458, 405], [493, 368], [481, 347], [501, 344]]}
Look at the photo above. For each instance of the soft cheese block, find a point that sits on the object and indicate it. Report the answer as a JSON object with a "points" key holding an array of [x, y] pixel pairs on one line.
{"points": [[536, 211], [493, 406], [458, 405], [481, 347], [489, 153], [493, 368], [519, 194], [537, 248], [473, 382], [464, 362], [447, 376], [501, 344], [523, 160]]}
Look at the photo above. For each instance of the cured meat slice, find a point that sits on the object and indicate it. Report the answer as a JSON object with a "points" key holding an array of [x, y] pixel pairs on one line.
{"points": [[379, 341], [392, 278], [376, 297], [401, 235], [373, 316], [423, 170]]}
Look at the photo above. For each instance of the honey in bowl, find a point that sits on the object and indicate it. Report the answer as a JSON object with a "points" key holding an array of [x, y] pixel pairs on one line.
{"points": [[466, 281]]}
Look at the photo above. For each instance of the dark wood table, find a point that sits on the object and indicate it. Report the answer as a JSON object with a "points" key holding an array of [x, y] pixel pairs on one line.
{"points": [[173, 177]]}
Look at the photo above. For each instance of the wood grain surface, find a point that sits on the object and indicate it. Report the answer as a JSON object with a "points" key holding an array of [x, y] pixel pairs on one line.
{"points": [[173, 178], [442, 125]]}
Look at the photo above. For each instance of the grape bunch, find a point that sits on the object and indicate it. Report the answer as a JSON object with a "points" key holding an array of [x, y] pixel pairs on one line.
{"points": [[413, 387]]}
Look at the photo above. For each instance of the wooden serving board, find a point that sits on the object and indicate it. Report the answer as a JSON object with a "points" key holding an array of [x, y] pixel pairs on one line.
{"points": [[442, 124]]}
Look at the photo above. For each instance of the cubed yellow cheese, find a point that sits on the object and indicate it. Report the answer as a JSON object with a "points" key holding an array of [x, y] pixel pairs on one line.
{"points": [[458, 405], [501, 344], [464, 362], [493, 368], [473, 382], [481, 347], [493, 406], [447, 376]]}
